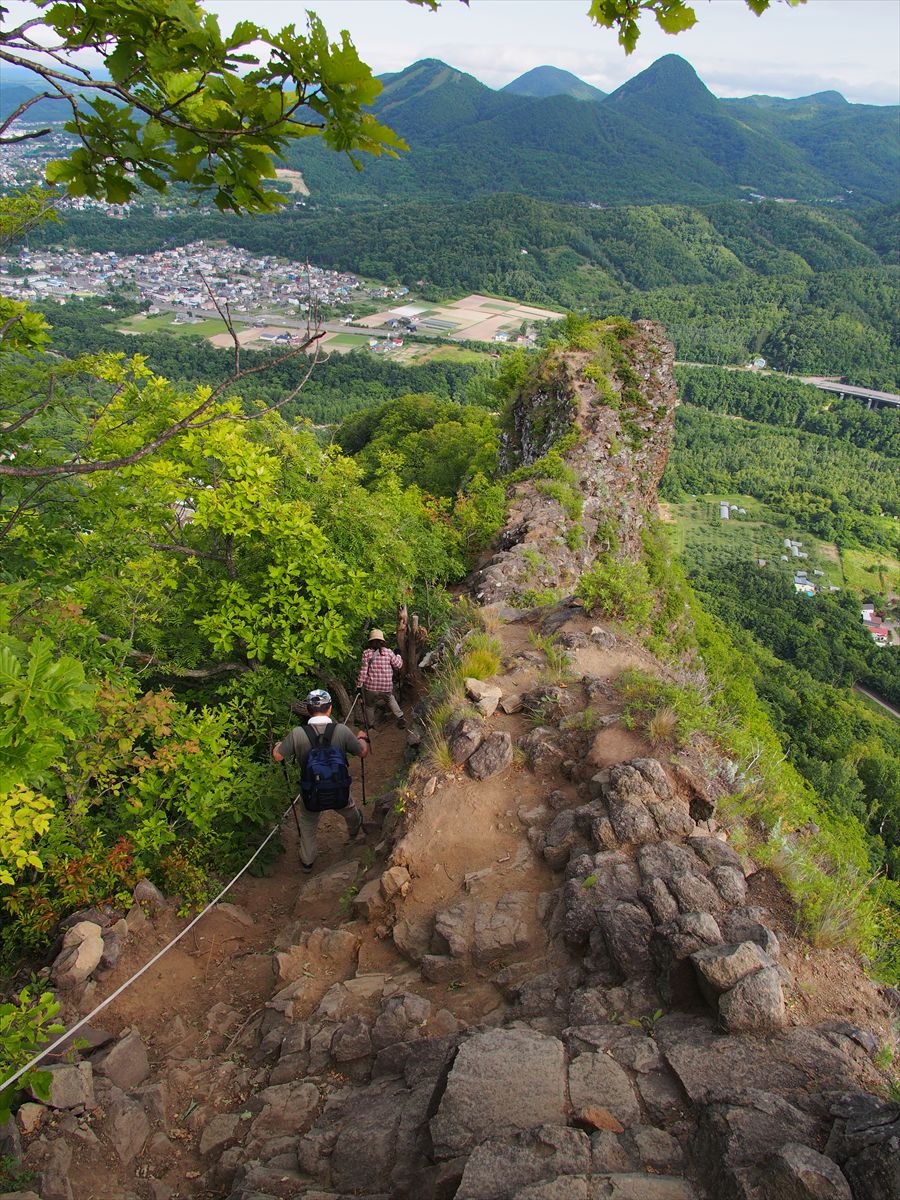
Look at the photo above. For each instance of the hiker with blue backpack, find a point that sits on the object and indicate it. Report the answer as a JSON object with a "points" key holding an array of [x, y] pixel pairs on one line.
{"points": [[321, 745]]}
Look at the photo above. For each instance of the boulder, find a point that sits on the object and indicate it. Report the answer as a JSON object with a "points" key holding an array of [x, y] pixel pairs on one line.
{"points": [[501, 928], [498, 1168], [128, 1127], [125, 1063], [368, 902], [694, 893], [796, 1172], [412, 937], [755, 1004], [82, 950], [219, 1132], [71, 1086], [491, 1068], [466, 737], [149, 895], [352, 1040], [485, 695], [730, 884], [492, 756], [287, 1109], [865, 1141], [719, 968], [596, 1080], [454, 930], [402, 1019], [627, 929]]}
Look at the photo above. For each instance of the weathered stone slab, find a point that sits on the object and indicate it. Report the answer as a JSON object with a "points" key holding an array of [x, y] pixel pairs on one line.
{"points": [[597, 1080], [125, 1063], [491, 1068]]}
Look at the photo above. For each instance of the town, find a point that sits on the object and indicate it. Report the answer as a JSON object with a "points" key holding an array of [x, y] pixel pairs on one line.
{"points": [[183, 279]]}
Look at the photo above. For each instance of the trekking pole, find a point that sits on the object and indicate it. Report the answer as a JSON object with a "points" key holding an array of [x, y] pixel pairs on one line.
{"points": [[365, 721], [287, 780], [362, 768]]}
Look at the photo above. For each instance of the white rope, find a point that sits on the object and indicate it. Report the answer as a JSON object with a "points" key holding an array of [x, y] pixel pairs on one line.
{"points": [[146, 967]]}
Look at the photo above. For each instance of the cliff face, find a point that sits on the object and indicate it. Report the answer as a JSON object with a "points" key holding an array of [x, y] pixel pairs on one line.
{"points": [[621, 416]]}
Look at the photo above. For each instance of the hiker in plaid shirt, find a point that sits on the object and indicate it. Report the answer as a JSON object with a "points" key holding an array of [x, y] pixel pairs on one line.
{"points": [[376, 678]]}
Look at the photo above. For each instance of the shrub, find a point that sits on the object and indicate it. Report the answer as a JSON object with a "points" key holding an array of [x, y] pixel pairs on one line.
{"points": [[617, 589]]}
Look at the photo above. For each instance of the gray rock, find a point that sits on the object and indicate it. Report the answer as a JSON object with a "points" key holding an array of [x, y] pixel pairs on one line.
{"points": [[740, 1135], [454, 930], [657, 1149], [125, 1062], [113, 944], [352, 1040], [490, 1068], [564, 1187], [492, 756], [730, 884], [401, 1020], [714, 852], [70, 1086], [128, 1128], [796, 1172], [596, 1080], [222, 1129], [661, 1095], [627, 929], [440, 968], [53, 1158], [148, 894], [412, 938], [694, 893], [719, 968], [649, 1187], [665, 859], [466, 737], [367, 1143], [660, 901], [865, 1141], [608, 1153], [496, 1169], [501, 928], [287, 1108], [486, 695], [746, 925], [560, 838], [755, 1004]]}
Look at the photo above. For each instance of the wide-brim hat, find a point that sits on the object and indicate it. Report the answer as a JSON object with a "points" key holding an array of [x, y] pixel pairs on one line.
{"points": [[375, 635]]}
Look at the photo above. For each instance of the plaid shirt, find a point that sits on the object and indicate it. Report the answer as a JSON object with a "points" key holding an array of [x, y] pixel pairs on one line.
{"points": [[377, 671]]}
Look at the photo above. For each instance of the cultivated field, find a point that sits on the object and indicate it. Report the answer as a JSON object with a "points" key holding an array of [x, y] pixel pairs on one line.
{"points": [[474, 317], [702, 538]]}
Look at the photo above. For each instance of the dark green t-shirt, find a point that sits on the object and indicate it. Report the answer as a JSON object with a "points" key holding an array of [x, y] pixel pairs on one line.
{"points": [[296, 744]]}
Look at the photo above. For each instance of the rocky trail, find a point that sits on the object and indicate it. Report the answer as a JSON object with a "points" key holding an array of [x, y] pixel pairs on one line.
{"points": [[546, 975]]}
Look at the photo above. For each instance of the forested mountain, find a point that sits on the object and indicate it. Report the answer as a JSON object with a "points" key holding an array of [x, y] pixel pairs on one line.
{"points": [[551, 81], [661, 137]]}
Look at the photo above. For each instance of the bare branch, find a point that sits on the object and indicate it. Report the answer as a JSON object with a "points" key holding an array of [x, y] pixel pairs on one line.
{"points": [[151, 660], [23, 108], [23, 506]]}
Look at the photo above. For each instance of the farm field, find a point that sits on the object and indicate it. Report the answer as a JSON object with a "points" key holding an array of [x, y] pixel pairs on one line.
{"points": [[474, 317], [700, 536], [165, 323]]}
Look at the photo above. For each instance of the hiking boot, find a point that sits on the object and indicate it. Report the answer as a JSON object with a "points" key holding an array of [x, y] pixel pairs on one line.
{"points": [[307, 867], [401, 722], [357, 827]]}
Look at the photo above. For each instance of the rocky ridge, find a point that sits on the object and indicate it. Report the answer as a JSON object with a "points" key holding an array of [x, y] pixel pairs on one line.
{"points": [[559, 981]]}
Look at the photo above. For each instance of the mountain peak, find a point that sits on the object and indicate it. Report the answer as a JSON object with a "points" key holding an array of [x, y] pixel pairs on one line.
{"points": [[552, 81], [671, 79]]}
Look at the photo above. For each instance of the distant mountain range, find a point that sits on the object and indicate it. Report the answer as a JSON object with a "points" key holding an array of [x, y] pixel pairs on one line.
{"points": [[661, 137]]}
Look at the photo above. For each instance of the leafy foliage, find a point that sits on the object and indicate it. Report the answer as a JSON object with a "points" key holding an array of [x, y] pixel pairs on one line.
{"points": [[25, 1026], [184, 103]]}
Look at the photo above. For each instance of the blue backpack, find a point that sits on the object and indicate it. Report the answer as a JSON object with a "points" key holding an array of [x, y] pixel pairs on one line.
{"points": [[325, 776]]}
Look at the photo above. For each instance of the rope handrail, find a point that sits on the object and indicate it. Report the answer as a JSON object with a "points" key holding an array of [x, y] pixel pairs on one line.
{"points": [[63, 1037]]}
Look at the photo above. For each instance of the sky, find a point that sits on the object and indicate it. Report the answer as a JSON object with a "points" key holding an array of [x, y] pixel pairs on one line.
{"points": [[852, 46]]}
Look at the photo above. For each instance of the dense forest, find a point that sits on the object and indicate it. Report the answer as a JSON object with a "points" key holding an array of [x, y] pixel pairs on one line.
{"points": [[813, 291]]}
